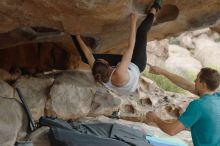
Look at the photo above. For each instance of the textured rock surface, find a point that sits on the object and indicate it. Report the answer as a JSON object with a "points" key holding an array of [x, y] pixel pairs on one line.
{"points": [[104, 103], [188, 53], [181, 62], [13, 122], [32, 58], [72, 95], [106, 22], [40, 137], [35, 91], [207, 52], [6, 90], [157, 52], [103, 16]]}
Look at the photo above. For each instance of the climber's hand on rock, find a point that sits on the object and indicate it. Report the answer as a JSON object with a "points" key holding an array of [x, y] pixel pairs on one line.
{"points": [[134, 17]]}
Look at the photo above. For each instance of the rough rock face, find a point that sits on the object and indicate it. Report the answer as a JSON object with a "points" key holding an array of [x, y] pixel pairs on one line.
{"points": [[72, 95], [180, 61], [13, 123], [35, 92], [40, 137], [33, 58], [206, 49], [105, 22], [157, 52], [6, 90], [71, 98]]}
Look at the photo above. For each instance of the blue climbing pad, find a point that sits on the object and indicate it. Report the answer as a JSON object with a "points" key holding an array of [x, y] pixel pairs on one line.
{"points": [[157, 141]]}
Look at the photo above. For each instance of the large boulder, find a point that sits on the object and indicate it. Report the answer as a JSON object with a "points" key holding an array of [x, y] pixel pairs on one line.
{"points": [[13, 122], [6, 76], [35, 91], [207, 52], [71, 95], [167, 105], [6, 90], [40, 137], [181, 62], [104, 103], [105, 22], [157, 52], [186, 38], [93, 17]]}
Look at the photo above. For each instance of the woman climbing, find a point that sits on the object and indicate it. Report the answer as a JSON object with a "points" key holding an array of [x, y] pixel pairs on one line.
{"points": [[125, 75]]}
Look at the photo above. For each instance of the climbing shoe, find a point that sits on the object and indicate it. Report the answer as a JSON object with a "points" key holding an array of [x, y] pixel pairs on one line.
{"points": [[157, 4]]}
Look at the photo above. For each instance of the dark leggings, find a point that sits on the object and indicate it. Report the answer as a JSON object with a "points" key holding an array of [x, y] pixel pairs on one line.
{"points": [[139, 56]]}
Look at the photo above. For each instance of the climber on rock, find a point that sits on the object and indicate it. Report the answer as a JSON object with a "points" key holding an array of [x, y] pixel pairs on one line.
{"points": [[121, 72]]}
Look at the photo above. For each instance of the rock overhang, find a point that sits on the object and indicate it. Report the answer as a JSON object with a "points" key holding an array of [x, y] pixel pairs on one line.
{"points": [[104, 22]]}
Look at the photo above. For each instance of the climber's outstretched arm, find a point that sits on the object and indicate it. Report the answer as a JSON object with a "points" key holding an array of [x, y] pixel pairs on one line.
{"points": [[86, 50]]}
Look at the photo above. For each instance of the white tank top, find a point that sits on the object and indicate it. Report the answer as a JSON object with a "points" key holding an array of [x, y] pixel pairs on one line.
{"points": [[132, 84]]}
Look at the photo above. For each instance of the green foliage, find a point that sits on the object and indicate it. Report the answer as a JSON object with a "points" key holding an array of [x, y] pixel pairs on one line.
{"points": [[174, 40], [217, 40], [164, 83], [191, 76], [191, 50]]}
